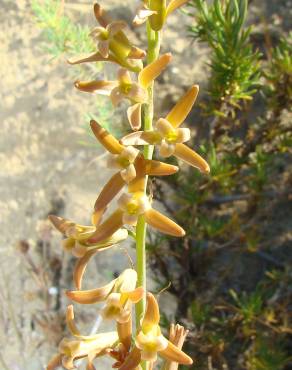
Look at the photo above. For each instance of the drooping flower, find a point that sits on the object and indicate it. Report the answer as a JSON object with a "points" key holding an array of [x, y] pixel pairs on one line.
{"points": [[157, 12], [112, 43], [131, 206], [150, 342], [76, 242], [83, 346], [130, 163], [118, 295], [125, 88], [169, 137]]}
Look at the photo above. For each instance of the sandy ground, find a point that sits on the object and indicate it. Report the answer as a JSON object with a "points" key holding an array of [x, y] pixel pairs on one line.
{"points": [[44, 168]]}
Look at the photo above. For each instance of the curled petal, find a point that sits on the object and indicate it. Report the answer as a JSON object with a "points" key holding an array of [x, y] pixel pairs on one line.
{"points": [[163, 223], [100, 15], [127, 280], [142, 14], [183, 135], [134, 116], [54, 362], [156, 168], [173, 353], [152, 316], [136, 294], [107, 228], [106, 139], [133, 360], [92, 295], [142, 138], [153, 70], [109, 191], [173, 5], [80, 267], [183, 107], [102, 87], [191, 157]]}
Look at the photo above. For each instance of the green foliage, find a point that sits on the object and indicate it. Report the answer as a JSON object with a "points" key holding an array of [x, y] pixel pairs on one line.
{"points": [[267, 355], [234, 64], [60, 33], [250, 306], [231, 273]]}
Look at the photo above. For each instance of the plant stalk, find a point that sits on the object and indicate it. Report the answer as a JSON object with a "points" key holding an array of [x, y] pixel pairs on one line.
{"points": [[152, 55]]}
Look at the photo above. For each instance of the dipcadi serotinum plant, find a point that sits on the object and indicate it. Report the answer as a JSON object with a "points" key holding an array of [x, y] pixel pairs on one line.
{"points": [[130, 349]]}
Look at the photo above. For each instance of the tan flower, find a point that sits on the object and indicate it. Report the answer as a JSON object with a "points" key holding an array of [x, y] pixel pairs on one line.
{"points": [[150, 342], [169, 137], [112, 43], [131, 165], [125, 88], [131, 206], [76, 242], [118, 295], [82, 346]]}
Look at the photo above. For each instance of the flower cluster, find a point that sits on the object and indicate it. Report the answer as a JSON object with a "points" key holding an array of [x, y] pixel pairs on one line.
{"points": [[130, 350]]}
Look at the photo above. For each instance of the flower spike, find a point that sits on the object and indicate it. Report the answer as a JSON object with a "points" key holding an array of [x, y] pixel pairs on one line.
{"points": [[169, 136]]}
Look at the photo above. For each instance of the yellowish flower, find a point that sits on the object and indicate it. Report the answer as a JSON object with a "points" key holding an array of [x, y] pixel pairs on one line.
{"points": [[113, 44], [150, 342], [76, 242], [125, 88], [131, 206], [82, 346], [118, 295], [169, 137], [132, 166], [157, 12]]}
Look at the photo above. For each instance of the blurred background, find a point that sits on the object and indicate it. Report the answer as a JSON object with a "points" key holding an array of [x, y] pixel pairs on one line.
{"points": [[229, 281]]}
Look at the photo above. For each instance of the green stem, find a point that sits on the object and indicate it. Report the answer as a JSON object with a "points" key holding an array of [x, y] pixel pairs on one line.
{"points": [[152, 55]]}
